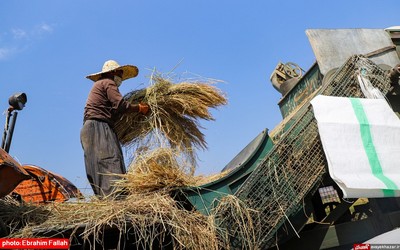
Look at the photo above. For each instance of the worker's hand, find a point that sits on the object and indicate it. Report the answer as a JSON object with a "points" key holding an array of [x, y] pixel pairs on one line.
{"points": [[143, 108], [10, 109]]}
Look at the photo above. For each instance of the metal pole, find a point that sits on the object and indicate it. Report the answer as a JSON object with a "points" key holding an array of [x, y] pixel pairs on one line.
{"points": [[3, 142], [10, 131]]}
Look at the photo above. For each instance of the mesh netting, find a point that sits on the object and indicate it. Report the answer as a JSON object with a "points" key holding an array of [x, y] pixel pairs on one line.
{"points": [[297, 162]]}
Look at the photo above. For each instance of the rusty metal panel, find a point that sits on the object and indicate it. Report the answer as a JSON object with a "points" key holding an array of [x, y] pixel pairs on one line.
{"points": [[332, 47]]}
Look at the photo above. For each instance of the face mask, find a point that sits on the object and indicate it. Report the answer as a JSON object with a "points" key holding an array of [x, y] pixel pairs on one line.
{"points": [[118, 80]]}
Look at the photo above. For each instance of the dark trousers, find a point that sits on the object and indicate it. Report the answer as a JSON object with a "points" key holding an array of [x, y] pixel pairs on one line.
{"points": [[103, 156]]}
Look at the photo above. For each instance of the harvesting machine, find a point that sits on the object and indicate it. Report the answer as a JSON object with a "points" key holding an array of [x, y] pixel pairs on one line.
{"points": [[283, 173]]}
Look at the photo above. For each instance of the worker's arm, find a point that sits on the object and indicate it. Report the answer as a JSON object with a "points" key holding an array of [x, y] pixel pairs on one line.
{"points": [[119, 104]]}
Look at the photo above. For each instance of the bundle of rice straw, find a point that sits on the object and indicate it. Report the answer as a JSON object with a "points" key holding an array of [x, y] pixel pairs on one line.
{"points": [[13, 216], [232, 211], [159, 169], [174, 118]]}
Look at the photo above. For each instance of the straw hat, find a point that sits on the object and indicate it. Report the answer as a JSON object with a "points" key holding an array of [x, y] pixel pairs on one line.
{"points": [[129, 71]]}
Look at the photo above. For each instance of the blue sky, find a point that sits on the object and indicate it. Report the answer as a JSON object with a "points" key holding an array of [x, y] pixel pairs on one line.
{"points": [[47, 48]]}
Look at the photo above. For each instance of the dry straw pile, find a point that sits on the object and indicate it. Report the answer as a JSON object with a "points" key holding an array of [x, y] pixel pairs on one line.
{"points": [[150, 216], [149, 210], [160, 169]]}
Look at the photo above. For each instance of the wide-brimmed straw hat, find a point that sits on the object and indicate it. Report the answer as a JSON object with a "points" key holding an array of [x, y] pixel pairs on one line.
{"points": [[129, 71]]}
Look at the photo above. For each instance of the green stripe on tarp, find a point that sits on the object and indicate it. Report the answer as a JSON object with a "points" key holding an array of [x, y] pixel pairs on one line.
{"points": [[369, 148]]}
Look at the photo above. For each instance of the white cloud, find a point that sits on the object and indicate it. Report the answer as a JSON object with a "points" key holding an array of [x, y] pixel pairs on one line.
{"points": [[18, 40], [5, 53], [41, 29], [19, 33], [46, 28], [34, 33]]}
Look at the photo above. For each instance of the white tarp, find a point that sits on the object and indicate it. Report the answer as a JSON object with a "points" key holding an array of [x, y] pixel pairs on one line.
{"points": [[361, 141]]}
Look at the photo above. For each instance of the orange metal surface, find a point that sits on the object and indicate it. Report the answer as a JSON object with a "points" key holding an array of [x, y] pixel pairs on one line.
{"points": [[45, 186], [11, 173]]}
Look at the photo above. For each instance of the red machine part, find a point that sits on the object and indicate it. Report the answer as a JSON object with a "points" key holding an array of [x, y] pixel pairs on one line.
{"points": [[45, 186], [11, 173], [32, 183]]}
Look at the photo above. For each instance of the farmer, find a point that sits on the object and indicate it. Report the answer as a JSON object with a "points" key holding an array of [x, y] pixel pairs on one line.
{"points": [[104, 105]]}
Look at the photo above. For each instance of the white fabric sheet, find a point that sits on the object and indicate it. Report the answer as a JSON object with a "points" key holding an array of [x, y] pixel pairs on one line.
{"points": [[363, 159]]}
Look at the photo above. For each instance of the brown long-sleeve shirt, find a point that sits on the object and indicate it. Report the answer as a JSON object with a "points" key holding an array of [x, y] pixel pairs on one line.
{"points": [[105, 102]]}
